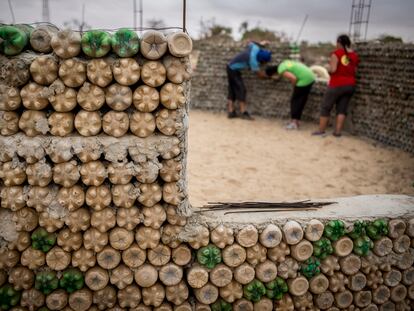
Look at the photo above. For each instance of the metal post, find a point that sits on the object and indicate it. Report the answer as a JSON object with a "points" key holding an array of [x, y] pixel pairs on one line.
{"points": [[141, 14], [45, 11], [366, 28], [360, 18], [184, 15], [301, 28], [12, 12], [82, 25], [140, 11], [352, 19], [134, 12]]}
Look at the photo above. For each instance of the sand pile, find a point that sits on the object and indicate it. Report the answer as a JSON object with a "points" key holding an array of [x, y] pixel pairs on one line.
{"points": [[236, 160]]}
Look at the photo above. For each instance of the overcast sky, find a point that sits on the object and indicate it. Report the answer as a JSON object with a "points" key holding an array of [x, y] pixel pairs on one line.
{"points": [[327, 18]]}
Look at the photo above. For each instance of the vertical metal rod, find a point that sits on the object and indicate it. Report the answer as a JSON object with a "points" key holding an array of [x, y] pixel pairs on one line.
{"points": [[134, 12], [351, 21], [141, 15], [45, 11], [83, 18], [366, 27], [11, 12], [184, 15], [301, 28], [360, 17]]}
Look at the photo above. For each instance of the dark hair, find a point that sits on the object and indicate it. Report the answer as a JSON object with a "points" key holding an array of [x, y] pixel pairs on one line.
{"points": [[345, 42], [271, 70]]}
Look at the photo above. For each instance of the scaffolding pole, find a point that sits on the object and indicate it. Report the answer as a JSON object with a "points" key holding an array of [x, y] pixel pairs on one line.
{"points": [[140, 11], [360, 14]]}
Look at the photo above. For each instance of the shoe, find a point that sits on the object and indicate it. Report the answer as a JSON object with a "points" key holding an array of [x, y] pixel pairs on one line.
{"points": [[336, 134], [319, 133], [245, 115], [232, 115], [291, 126]]}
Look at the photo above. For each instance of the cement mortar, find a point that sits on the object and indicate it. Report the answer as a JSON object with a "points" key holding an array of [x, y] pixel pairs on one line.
{"points": [[8, 229], [113, 149], [350, 209]]}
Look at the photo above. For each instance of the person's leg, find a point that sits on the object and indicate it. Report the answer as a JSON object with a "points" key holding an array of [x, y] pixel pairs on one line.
{"points": [[342, 108], [339, 125], [305, 91], [242, 106], [230, 106], [241, 93], [231, 93], [294, 109], [326, 107], [323, 124], [298, 102], [241, 97], [244, 114]]}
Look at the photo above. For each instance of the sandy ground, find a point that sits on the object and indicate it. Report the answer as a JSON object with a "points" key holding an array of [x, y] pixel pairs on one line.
{"points": [[238, 160]]}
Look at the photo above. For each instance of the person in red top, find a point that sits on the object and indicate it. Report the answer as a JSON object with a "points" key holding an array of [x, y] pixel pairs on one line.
{"points": [[341, 87]]}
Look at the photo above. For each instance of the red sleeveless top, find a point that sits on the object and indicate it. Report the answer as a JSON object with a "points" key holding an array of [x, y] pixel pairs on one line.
{"points": [[346, 70]]}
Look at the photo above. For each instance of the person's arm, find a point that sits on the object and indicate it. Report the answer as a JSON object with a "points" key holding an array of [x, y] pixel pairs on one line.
{"points": [[253, 63], [333, 63], [290, 76]]}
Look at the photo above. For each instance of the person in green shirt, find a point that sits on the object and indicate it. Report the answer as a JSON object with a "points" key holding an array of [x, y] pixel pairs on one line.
{"points": [[302, 78]]}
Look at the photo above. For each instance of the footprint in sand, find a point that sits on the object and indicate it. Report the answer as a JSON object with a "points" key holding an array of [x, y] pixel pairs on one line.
{"points": [[233, 182], [344, 170], [251, 169]]}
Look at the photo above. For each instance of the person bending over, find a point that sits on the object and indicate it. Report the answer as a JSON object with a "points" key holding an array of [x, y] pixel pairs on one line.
{"points": [[341, 87], [302, 78], [251, 59]]}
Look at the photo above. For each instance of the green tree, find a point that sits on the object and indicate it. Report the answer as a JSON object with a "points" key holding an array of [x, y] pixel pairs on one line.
{"points": [[155, 23], [76, 24], [210, 29], [260, 34], [217, 30], [387, 38], [243, 27]]}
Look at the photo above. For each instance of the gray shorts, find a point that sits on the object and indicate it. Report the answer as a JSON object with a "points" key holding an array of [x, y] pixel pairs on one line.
{"points": [[338, 96]]}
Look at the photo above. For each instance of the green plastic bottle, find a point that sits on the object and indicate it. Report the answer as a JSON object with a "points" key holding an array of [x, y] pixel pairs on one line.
{"points": [[377, 229], [334, 230], [71, 280], [209, 256], [254, 290], [359, 229], [322, 248], [221, 305], [43, 240], [14, 40], [125, 43], [96, 43], [9, 297], [46, 282], [363, 245], [276, 288], [310, 267]]}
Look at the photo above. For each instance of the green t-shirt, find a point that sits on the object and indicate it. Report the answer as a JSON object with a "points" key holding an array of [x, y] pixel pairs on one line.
{"points": [[302, 72]]}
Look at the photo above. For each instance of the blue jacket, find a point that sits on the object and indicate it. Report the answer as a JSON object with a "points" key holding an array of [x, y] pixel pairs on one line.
{"points": [[246, 59]]}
